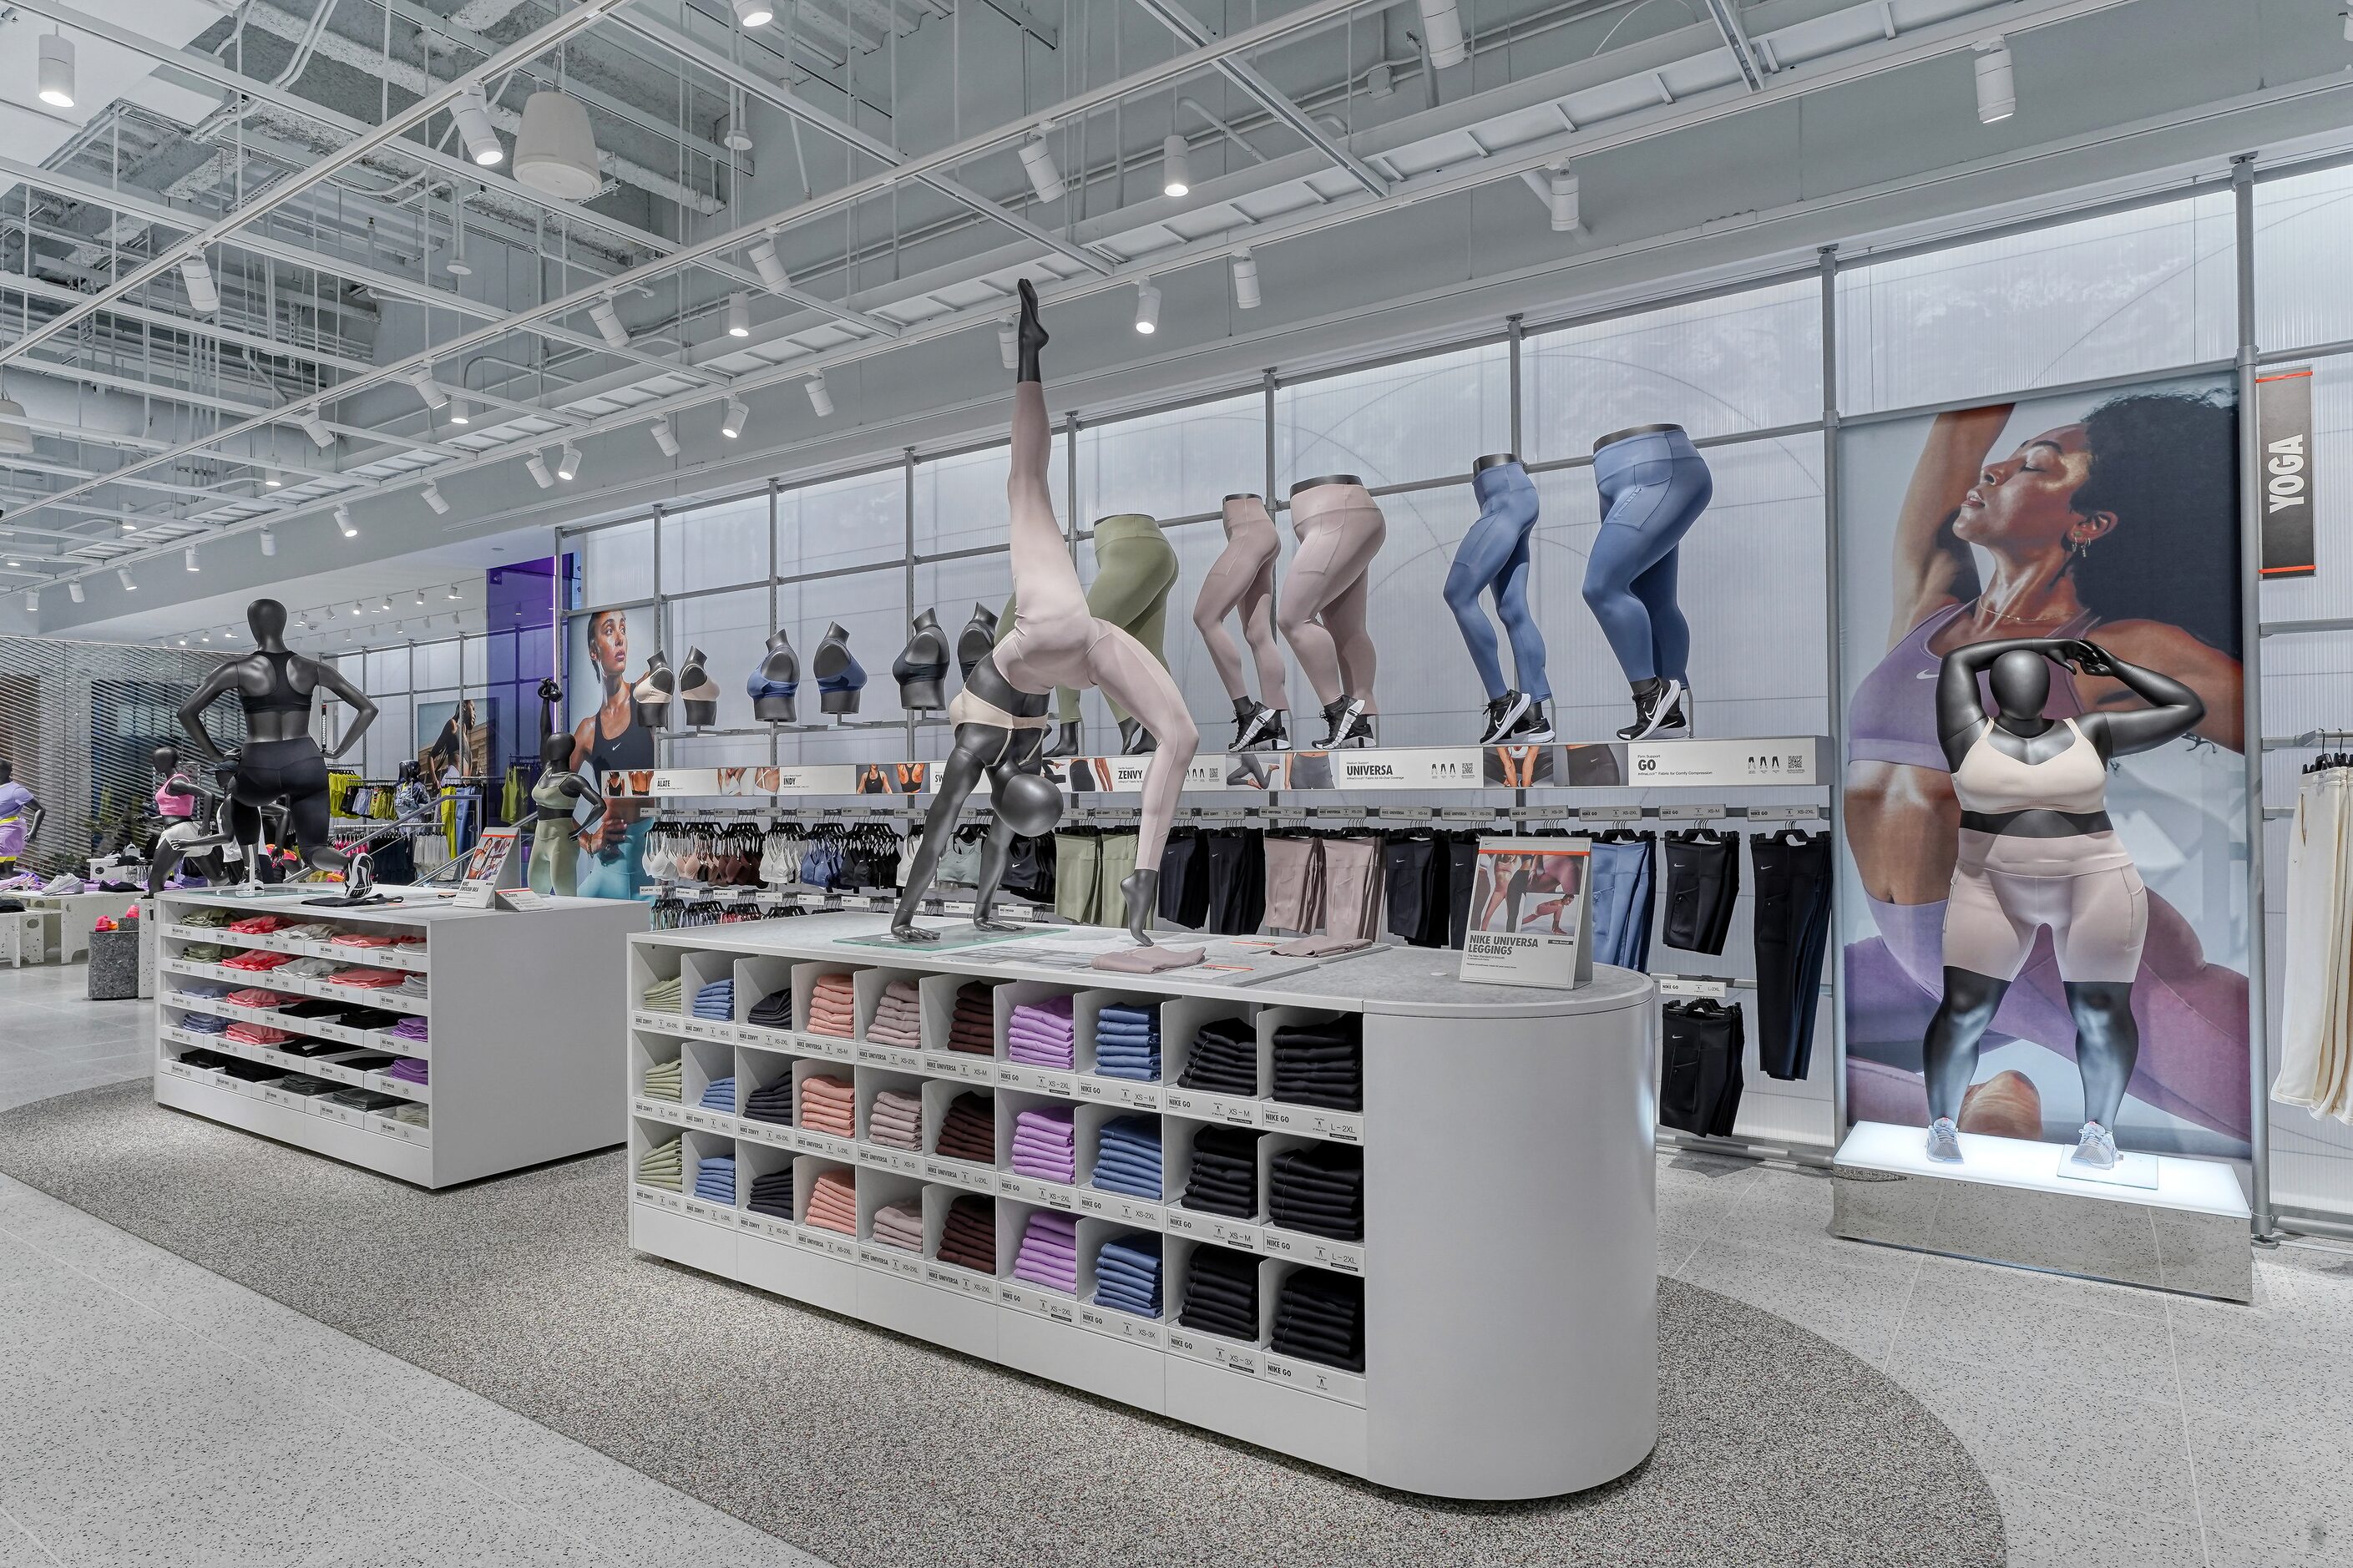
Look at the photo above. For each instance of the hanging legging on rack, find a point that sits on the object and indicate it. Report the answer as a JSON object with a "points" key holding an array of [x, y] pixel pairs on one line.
{"points": [[1793, 927], [1702, 882], [1624, 885], [2316, 1025]]}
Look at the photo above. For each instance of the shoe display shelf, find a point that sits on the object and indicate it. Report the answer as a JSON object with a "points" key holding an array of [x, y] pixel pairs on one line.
{"points": [[517, 1004], [1508, 1260]]}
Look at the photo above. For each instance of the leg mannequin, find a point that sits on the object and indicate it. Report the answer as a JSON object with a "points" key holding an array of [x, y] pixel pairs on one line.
{"points": [[1949, 1050], [1242, 578], [1352, 640], [1333, 559], [1134, 576], [2107, 1044], [1494, 559]]}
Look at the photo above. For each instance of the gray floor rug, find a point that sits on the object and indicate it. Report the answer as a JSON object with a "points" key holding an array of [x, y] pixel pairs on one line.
{"points": [[875, 1451]]}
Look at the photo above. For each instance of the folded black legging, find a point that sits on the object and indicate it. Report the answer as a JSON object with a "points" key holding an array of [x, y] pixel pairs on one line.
{"points": [[1319, 1317], [1222, 1058]]}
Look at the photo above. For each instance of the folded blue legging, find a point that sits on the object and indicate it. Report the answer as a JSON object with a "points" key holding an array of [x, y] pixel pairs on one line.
{"points": [[1494, 559], [1653, 488]]}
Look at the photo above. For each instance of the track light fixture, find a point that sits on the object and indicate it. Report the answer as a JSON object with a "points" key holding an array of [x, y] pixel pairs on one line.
{"points": [[316, 428], [122, 575], [272, 480], [664, 437], [1562, 197], [730, 424], [1009, 343], [771, 270], [57, 71], [343, 520], [452, 592], [537, 465], [196, 274], [609, 323], [473, 112], [189, 555], [567, 463], [459, 413], [754, 13], [1038, 162], [819, 398], [420, 598], [268, 539], [73, 590], [1147, 308], [1997, 86], [739, 315], [1441, 29], [1175, 165], [433, 497], [358, 608], [1245, 281], [421, 378]]}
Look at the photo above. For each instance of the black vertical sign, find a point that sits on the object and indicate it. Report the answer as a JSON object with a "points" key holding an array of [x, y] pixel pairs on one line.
{"points": [[2283, 423]]}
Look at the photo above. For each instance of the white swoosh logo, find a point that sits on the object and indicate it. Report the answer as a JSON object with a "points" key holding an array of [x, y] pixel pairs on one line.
{"points": [[1926, 674]]}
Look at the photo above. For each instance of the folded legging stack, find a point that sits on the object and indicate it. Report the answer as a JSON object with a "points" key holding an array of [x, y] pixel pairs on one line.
{"points": [[899, 1018], [1127, 1042], [969, 1239], [772, 1194], [1222, 1294], [1050, 1251], [771, 1102], [833, 1202], [720, 1095], [974, 1028], [1320, 1189], [774, 1011], [1045, 1144], [1224, 1059], [968, 1131], [1127, 1274], [1322, 1064], [1127, 1158], [1224, 1178], [1321, 1316], [665, 1080], [716, 1001], [663, 1166], [900, 1225], [828, 1105], [895, 1119], [662, 996], [833, 1006], [714, 1180], [1041, 1033]]}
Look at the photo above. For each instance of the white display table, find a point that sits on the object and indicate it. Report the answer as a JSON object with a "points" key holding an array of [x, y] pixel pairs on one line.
{"points": [[520, 1006], [1508, 1260], [76, 913]]}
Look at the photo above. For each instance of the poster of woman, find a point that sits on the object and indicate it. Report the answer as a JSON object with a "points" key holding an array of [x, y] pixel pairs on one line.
{"points": [[2110, 519], [608, 742]]}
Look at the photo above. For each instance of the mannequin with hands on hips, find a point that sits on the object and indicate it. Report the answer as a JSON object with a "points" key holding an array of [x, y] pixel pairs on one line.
{"points": [[2036, 848]]}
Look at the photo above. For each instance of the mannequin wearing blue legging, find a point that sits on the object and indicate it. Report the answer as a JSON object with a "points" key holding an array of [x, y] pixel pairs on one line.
{"points": [[1494, 559], [1653, 486]]}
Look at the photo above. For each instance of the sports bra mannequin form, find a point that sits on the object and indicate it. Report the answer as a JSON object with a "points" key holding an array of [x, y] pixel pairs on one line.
{"points": [[922, 667], [775, 682], [279, 760], [973, 643]]}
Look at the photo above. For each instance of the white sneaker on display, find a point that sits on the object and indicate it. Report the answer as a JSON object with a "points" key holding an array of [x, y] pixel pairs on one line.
{"points": [[2096, 1147], [1945, 1141]]}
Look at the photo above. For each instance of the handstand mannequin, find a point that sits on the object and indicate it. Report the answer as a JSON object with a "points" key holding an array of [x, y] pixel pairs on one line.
{"points": [[1001, 712], [2037, 849], [279, 760]]}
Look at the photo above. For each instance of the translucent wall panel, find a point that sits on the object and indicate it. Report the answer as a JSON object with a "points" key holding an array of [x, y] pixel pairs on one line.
{"points": [[387, 669], [732, 630], [1416, 420], [960, 500], [1747, 361], [388, 742], [616, 563], [1177, 464], [473, 662], [716, 546], [843, 523], [2132, 291], [2303, 232], [435, 663]]}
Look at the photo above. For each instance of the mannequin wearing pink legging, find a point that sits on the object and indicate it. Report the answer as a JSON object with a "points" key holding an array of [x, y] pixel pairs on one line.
{"points": [[1242, 578], [1055, 642], [1340, 531]]}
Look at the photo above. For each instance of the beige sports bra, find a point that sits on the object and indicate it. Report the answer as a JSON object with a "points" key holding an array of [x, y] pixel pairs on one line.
{"points": [[1992, 781]]}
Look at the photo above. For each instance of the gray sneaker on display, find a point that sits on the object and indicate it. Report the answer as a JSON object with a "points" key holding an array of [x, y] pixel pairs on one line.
{"points": [[2096, 1147], [1945, 1141]]}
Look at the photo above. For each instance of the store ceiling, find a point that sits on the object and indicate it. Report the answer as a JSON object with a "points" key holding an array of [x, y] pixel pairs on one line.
{"points": [[368, 271]]}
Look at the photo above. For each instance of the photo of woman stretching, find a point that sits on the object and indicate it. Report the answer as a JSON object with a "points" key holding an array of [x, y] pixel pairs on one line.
{"points": [[608, 742], [2120, 527]]}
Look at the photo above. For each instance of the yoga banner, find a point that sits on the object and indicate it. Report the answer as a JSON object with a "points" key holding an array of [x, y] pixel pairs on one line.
{"points": [[2284, 427], [2111, 518]]}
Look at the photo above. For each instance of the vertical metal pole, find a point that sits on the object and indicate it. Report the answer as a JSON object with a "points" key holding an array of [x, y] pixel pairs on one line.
{"points": [[907, 561], [1070, 478], [1834, 673], [1274, 596], [2250, 707], [559, 625], [661, 616], [1267, 382], [1512, 323], [774, 740]]}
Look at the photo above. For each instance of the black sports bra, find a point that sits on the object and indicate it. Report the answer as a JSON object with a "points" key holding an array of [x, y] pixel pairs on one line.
{"points": [[281, 697]]}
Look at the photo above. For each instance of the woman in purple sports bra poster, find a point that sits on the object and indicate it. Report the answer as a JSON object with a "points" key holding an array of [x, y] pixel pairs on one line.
{"points": [[2112, 516]]}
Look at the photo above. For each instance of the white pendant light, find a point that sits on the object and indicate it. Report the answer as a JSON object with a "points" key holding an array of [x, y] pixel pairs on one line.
{"points": [[1245, 281], [731, 134], [1441, 29], [1997, 86], [73, 590], [819, 398], [555, 151], [1175, 167], [15, 436], [316, 428], [739, 315], [1008, 343], [32, 598], [1147, 308], [754, 13], [268, 539], [343, 520], [771, 270], [730, 424], [271, 479], [473, 112], [664, 436], [421, 378], [204, 298], [537, 465], [1038, 162], [358, 608], [122, 575], [57, 71], [1561, 197], [609, 323], [433, 497], [453, 592], [189, 554], [459, 413], [567, 463]]}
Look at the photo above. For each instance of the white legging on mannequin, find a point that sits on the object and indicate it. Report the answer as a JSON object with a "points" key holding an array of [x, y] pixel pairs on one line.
{"points": [[1323, 616], [1054, 642], [1242, 578]]}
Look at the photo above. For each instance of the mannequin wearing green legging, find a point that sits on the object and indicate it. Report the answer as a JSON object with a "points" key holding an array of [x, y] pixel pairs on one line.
{"points": [[1135, 567]]}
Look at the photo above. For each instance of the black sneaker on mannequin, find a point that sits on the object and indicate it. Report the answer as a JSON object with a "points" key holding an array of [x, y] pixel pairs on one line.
{"points": [[1251, 721], [1678, 720], [1503, 713], [1341, 716], [1532, 727], [1655, 701]]}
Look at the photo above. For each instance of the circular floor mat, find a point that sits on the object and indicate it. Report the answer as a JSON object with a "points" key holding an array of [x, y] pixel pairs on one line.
{"points": [[875, 1451]]}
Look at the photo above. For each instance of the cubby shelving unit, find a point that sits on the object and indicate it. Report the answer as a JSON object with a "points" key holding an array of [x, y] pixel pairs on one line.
{"points": [[1508, 1254], [518, 1005]]}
